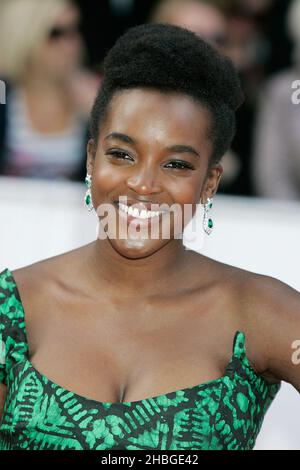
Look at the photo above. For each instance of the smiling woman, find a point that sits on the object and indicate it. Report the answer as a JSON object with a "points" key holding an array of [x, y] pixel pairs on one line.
{"points": [[147, 80], [135, 342]]}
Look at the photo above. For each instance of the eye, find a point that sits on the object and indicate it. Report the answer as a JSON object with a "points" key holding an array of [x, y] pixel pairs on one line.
{"points": [[119, 154], [180, 165]]}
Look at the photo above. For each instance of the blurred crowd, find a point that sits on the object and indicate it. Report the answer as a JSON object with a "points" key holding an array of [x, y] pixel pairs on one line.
{"points": [[49, 93], [51, 53]]}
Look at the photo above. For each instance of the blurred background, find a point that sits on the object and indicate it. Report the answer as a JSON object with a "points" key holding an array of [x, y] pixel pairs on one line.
{"points": [[51, 55]]}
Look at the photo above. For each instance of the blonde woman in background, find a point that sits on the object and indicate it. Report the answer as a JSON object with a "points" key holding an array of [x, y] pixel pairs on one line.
{"points": [[276, 158], [43, 127]]}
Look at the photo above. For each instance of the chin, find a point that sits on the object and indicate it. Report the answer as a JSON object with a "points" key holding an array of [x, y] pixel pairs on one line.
{"points": [[137, 248]]}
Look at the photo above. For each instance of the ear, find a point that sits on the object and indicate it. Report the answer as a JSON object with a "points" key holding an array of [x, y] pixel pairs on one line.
{"points": [[91, 154], [211, 183]]}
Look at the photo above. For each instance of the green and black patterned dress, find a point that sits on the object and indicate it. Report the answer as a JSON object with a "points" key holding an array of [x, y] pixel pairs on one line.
{"points": [[222, 414]]}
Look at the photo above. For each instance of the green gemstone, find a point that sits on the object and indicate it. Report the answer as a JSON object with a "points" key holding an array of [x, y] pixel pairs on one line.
{"points": [[210, 205], [88, 199], [210, 223]]}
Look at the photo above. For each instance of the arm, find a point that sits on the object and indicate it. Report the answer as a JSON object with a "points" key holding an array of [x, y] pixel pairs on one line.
{"points": [[275, 316]]}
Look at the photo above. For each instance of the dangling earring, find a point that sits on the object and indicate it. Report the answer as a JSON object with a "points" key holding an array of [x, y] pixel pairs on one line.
{"points": [[207, 222], [88, 195]]}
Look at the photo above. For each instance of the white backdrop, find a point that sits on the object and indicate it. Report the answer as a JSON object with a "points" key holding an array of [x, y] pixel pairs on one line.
{"points": [[39, 219]]}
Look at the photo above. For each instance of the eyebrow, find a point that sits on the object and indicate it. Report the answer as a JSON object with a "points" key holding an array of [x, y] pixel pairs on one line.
{"points": [[123, 137], [172, 148]]}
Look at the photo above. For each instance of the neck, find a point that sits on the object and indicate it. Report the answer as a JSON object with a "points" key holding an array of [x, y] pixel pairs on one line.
{"points": [[42, 84], [140, 276], [45, 93]]}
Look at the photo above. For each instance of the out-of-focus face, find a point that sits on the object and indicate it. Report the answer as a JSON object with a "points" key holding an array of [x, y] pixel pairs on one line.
{"points": [[205, 20], [59, 55], [153, 148]]}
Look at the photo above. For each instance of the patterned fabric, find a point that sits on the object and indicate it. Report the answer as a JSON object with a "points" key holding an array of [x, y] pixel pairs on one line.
{"points": [[223, 414]]}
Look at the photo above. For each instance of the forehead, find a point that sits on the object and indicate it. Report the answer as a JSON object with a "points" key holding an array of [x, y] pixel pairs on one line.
{"points": [[154, 114], [68, 14], [204, 19]]}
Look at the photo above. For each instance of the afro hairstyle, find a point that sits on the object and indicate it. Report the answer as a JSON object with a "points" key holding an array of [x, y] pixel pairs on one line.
{"points": [[171, 58]]}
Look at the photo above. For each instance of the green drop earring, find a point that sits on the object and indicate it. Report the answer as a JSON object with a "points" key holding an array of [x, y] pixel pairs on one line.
{"points": [[88, 195], [207, 221]]}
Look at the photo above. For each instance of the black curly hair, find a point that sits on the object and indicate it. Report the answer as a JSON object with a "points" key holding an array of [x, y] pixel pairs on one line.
{"points": [[171, 58]]}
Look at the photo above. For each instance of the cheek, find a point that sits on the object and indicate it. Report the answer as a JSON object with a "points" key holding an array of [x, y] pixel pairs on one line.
{"points": [[105, 181], [188, 195], [40, 55], [72, 49], [188, 190], [47, 57]]}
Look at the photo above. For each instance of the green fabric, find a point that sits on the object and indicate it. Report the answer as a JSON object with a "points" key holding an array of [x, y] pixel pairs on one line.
{"points": [[222, 414]]}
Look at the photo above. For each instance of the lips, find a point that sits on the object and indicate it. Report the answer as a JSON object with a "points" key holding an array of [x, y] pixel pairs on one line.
{"points": [[130, 219], [149, 206]]}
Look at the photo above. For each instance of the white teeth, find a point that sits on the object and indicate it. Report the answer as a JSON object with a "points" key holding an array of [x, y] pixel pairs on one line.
{"points": [[144, 214], [133, 212]]}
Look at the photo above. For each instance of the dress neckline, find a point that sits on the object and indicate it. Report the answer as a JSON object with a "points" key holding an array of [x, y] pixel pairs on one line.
{"points": [[238, 348], [108, 404]]}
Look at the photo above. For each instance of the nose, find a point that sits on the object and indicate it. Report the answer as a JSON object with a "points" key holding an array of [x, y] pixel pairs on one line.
{"points": [[144, 182]]}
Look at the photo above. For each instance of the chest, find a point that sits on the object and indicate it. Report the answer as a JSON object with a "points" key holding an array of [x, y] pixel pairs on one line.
{"points": [[45, 151], [127, 349]]}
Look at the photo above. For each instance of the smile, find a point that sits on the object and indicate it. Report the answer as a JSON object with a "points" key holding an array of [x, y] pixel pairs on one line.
{"points": [[134, 212]]}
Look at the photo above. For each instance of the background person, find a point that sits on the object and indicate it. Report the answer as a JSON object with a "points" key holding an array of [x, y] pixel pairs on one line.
{"points": [[43, 127], [276, 157], [206, 19]]}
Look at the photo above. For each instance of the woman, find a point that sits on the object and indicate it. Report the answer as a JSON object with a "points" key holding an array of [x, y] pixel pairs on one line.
{"points": [[134, 342], [43, 127], [276, 154]]}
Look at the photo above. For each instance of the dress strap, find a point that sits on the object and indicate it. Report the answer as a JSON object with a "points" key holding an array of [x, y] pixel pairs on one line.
{"points": [[240, 364], [239, 347], [13, 341]]}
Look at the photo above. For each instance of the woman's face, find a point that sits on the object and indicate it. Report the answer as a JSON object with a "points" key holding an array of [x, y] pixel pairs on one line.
{"points": [[59, 55], [155, 148]]}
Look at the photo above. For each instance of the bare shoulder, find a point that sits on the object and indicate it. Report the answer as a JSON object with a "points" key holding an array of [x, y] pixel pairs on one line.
{"points": [[271, 310], [43, 287], [48, 269], [226, 284], [227, 279], [268, 300], [270, 296], [267, 310], [258, 297], [227, 293]]}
